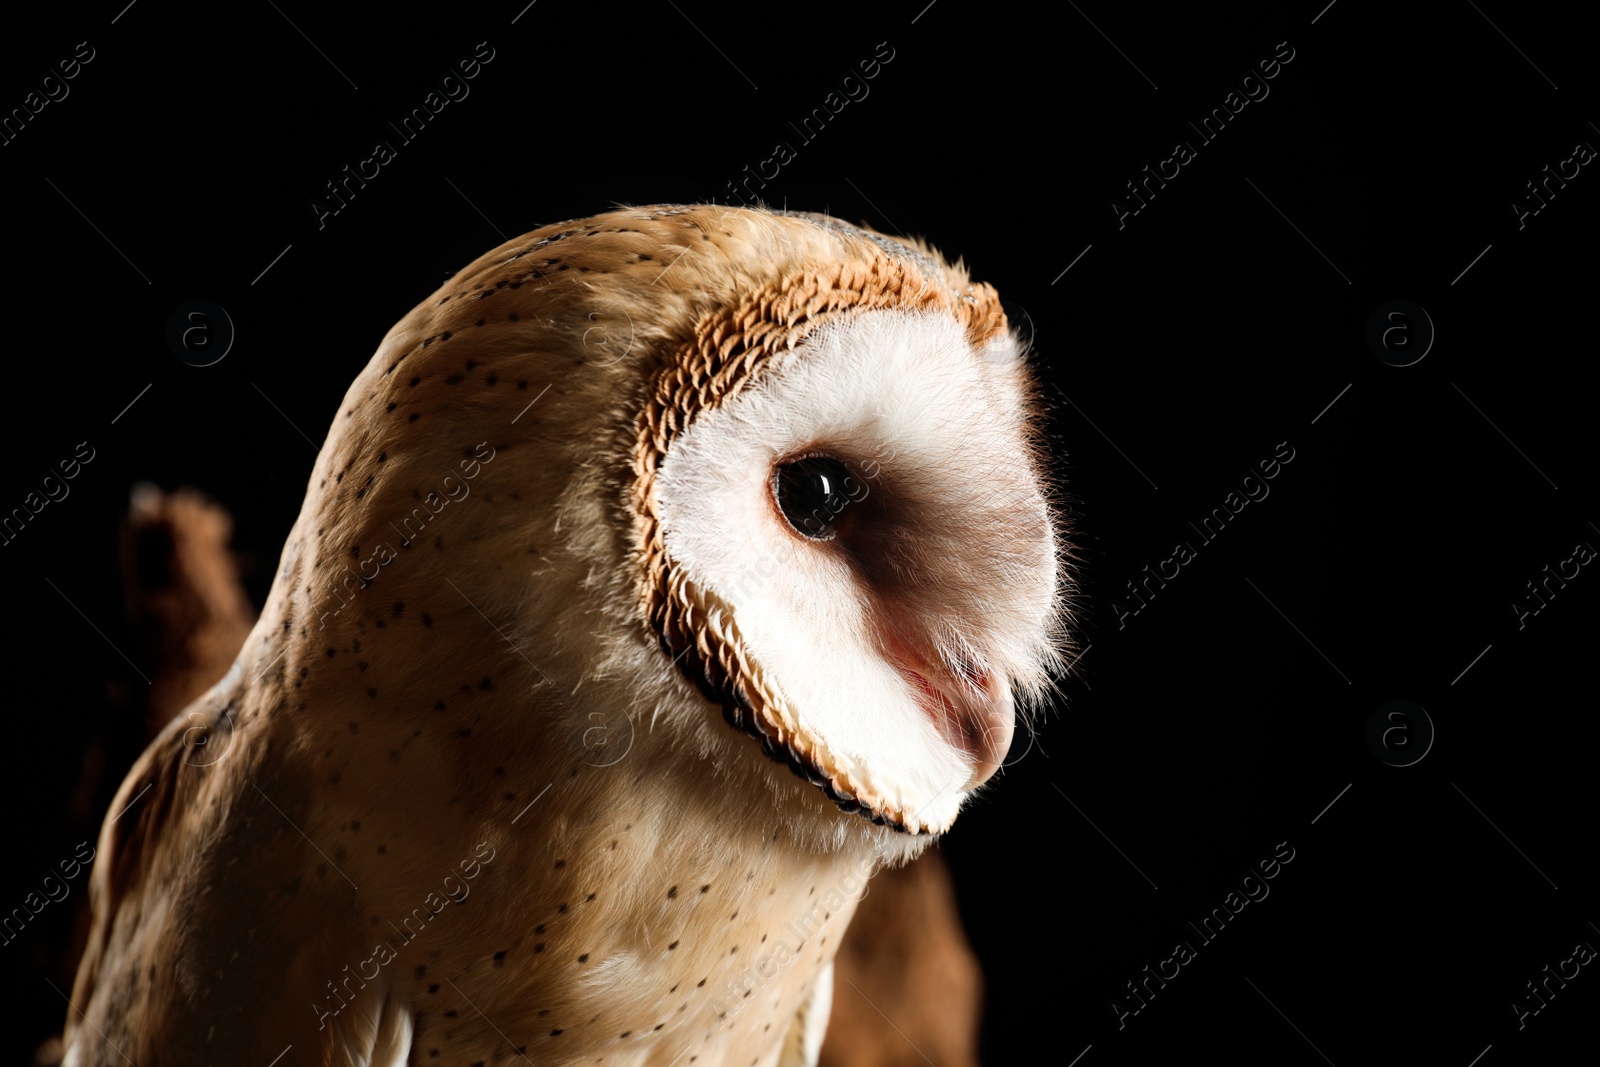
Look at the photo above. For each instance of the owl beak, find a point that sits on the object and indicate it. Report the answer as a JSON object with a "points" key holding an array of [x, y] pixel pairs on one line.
{"points": [[989, 720], [972, 709], [997, 725]]}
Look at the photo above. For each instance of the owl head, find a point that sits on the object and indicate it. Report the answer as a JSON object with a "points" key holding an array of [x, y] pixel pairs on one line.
{"points": [[767, 485]]}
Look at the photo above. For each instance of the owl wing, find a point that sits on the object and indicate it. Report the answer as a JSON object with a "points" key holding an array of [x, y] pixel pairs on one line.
{"points": [[127, 952], [803, 1043]]}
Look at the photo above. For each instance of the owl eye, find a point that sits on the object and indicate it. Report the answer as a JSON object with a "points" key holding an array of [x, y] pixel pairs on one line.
{"points": [[813, 492]]}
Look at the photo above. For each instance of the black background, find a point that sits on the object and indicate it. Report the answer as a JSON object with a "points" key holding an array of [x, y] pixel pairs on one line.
{"points": [[1181, 348]]}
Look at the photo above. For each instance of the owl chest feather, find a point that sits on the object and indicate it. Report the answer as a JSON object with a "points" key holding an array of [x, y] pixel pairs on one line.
{"points": [[691, 956], [614, 911]]}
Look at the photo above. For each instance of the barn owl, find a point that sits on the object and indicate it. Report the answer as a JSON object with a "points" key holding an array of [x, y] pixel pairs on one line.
{"points": [[632, 518]]}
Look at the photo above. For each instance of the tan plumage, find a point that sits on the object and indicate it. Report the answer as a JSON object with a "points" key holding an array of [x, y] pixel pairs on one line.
{"points": [[469, 789]]}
